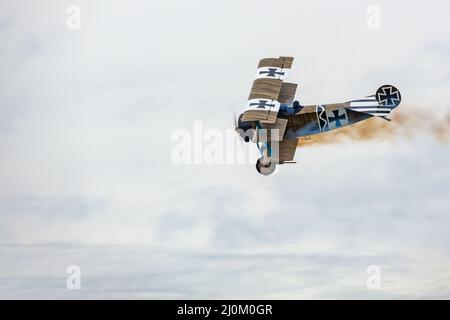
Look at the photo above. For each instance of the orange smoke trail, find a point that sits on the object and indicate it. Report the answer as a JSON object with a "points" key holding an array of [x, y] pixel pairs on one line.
{"points": [[406, 123]]}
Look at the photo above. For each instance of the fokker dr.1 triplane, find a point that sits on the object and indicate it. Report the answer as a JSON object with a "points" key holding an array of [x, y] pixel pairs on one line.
{"points": [[271, 106]]}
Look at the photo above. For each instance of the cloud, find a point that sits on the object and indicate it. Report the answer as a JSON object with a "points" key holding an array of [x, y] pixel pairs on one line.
{"points": [[139, 272], [86, 177], [406, 123]]}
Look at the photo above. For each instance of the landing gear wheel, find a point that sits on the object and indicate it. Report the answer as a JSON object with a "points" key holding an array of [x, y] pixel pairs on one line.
{"points": [[265, 168]]}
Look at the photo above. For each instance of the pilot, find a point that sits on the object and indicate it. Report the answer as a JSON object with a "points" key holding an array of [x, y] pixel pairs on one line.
{"points": [[297, 106]]}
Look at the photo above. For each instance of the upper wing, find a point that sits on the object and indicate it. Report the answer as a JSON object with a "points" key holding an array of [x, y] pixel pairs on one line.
{"points": [[287, 93], [264, 99]]}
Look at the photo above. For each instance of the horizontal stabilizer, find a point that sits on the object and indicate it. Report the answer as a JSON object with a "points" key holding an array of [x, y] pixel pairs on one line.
{"points": [[380, 104], [370, 106]]}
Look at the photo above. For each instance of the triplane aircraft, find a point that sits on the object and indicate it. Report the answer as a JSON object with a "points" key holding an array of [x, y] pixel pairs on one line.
{"points": [[275, 122]]}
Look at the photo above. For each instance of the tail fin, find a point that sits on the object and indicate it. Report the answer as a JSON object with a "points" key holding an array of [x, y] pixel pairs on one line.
{"points": [[380, 104]]}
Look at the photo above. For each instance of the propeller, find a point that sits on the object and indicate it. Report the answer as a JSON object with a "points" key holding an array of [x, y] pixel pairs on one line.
{"points": [[235, 120], [242, 128], [236, 125]]}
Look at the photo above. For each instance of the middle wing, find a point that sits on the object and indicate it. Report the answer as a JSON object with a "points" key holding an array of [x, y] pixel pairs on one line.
{"points": [[263, 102]]}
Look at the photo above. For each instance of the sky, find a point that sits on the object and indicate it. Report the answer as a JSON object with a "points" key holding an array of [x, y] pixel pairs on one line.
{"points": [[87, 178]]}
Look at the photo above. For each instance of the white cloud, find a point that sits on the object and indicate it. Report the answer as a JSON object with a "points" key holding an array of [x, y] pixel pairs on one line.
{"points": [[85, 171]]}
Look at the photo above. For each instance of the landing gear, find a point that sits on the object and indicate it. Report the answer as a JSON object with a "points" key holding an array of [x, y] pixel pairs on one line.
{"points": [[265, 167]]}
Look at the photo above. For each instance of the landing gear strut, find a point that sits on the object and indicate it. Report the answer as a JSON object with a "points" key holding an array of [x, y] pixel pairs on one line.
{"points": [[265, 167]]}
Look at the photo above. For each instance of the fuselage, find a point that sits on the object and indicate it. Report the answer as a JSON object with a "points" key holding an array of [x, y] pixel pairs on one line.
{"points": [[317, 119], [311, 120]]}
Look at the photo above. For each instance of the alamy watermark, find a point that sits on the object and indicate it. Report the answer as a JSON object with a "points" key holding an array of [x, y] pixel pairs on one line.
{"points": [[227, 146], [73, 21], [373, 21], [73, 281], [374, 280]]}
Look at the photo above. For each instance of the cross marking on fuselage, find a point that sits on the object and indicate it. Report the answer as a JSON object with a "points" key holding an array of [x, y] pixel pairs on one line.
{"points": [[337, 118]]}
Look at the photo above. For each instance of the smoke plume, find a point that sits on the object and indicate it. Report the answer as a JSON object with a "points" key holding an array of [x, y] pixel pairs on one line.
{"points": [[406, 123]]}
